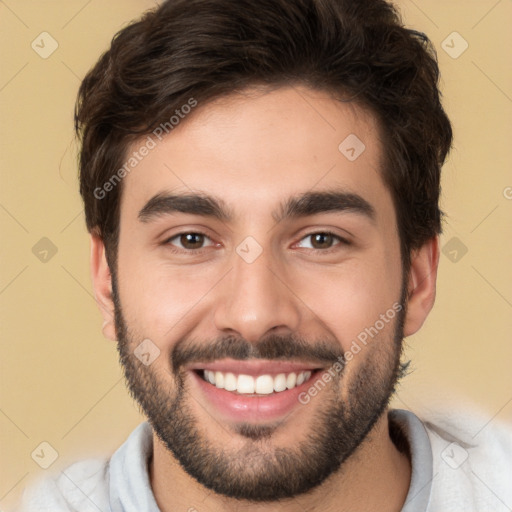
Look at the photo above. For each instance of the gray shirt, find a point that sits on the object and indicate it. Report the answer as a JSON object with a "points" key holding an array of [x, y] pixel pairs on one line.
{"points": [[449, 473]]}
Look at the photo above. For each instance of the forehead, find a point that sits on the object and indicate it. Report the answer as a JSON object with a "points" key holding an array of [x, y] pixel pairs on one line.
{"points": [[254, 149]]}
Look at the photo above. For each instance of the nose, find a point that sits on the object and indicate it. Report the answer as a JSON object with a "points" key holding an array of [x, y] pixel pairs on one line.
{"points": [[255, 299]]}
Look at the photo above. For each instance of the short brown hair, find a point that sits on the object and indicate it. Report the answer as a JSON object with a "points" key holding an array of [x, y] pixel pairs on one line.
{"points": [[357, 50]]}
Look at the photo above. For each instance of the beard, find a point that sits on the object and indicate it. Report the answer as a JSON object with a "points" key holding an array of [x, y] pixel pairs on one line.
{"points": [[260, 471]]}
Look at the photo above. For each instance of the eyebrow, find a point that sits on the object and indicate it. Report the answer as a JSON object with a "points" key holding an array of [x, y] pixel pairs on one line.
{"points": [[309, 203], [196, 204], [313, 203]]}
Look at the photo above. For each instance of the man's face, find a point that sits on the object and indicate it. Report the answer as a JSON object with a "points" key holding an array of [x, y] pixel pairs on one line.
{"points": [[278, 252]]}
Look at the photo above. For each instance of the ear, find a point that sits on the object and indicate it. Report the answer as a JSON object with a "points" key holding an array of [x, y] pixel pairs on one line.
{"points": [[102, 284], [421, 285]]}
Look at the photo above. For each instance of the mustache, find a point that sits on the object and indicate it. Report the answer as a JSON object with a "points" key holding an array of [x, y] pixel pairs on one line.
{"points": [[273, 347]]}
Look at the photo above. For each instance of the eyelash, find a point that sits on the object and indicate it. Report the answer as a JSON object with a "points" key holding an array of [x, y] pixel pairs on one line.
{"points": [[340, 240]]}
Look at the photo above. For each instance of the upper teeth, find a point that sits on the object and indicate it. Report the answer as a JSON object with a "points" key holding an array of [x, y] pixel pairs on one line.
{"points": [[261, 385]]}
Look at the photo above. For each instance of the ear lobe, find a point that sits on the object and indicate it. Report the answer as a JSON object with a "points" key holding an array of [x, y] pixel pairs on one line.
{"points": [[421, 285], [102, 284]]}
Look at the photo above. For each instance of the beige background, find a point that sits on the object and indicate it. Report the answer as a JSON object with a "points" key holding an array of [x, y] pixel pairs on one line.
{"points": [[60, 380]]}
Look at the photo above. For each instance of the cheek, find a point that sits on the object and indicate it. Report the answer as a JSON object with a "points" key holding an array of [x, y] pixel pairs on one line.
{"points": [[351, 299], [162, 302]]}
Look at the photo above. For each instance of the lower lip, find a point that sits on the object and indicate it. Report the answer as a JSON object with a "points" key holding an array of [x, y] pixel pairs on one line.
{"points": [[263, 408]]}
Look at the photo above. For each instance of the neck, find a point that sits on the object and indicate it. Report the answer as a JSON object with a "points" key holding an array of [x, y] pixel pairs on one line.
{"points": [[375, 477]]}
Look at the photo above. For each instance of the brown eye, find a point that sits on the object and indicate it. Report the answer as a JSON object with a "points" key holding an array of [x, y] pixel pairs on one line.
{"points": [[322, 240], [190, 241]]}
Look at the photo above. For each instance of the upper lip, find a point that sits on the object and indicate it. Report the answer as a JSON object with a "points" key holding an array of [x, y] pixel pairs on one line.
{"points": [[255, 366]]}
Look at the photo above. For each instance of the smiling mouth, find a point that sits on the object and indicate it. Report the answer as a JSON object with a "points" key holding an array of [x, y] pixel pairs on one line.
{"points": [[252, 390], [256, 385]]}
